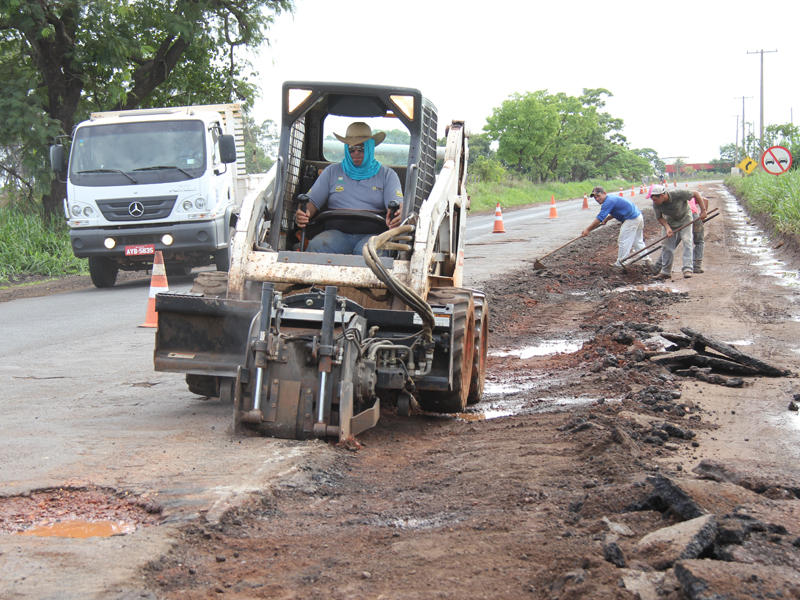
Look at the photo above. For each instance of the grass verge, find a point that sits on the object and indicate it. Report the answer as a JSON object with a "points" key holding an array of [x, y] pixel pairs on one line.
{"points": [[34, 245], [777, 196]]}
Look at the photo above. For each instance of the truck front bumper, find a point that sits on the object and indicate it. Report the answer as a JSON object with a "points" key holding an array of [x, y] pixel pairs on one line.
{"points": [[203, 236]]}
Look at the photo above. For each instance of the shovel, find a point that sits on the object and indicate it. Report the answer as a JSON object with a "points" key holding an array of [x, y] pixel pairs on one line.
{"points": [[540, 267]]}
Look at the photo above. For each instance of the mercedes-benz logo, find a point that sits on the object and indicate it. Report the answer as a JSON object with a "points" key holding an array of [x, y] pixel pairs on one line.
{"points": [[136, 209]]}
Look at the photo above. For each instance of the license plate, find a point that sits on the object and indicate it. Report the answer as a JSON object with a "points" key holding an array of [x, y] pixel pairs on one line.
{"points": [[140, 250]]}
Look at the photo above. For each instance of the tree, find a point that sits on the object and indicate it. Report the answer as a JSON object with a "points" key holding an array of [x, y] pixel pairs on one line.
{"points": [[260, 144], [80, 56], [524, 125]]}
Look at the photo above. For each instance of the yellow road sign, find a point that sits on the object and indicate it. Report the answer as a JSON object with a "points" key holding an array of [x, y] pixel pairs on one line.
{"points": [[748, 165]]}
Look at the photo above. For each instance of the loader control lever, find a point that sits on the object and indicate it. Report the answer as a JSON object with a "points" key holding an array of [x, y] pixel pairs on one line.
{"points": [[393, 206], [303, 200]]}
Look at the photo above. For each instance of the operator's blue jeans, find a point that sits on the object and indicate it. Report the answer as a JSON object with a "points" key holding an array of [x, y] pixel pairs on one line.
{"points": [[336, 242]]}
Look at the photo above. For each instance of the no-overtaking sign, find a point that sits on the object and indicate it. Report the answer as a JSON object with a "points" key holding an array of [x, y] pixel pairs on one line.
{"points": [[776, 160]]}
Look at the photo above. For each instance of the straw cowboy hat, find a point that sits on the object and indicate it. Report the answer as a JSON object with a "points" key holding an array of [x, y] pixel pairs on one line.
{"points": [[358, 133]]}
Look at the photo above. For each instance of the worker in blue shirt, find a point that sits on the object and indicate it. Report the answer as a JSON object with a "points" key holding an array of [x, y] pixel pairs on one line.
{"points": [[631, 232]]}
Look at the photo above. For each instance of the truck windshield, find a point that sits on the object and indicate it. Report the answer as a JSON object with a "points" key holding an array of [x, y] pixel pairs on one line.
{"points": [[156, 151]]}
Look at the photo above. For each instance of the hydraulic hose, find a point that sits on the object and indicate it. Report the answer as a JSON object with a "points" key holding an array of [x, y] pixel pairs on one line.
{"points": [[399, 289]]}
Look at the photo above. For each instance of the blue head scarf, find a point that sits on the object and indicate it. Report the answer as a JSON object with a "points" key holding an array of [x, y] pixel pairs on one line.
{"points": [[369, 167]]}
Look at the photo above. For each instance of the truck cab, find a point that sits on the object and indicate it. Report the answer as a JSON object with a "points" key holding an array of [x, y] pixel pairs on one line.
{"points": [[141, 181]]}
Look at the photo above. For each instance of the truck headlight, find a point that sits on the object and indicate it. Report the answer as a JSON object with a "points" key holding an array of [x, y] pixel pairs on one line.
{"points": [[76, 211]]}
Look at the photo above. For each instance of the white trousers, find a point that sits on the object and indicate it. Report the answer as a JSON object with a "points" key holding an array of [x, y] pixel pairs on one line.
{"points": [[631, 237]]}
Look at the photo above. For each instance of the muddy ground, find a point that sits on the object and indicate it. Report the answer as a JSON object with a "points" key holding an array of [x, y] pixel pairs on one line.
{"points": [[614, 476]]}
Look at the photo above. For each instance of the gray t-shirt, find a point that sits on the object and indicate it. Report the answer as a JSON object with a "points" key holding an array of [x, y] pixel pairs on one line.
{"points": [[339, 191], [676, 210]]}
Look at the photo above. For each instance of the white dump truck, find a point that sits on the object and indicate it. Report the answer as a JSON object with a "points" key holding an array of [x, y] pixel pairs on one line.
{"points": [[168, 179]]}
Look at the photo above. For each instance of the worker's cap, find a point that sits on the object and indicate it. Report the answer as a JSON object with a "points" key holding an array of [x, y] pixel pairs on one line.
{"points": [[358, 133], [597, 190], [656, 190]]}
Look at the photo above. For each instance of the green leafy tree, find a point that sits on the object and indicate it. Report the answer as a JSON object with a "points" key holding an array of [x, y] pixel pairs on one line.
{"points": [[260, 145], [524, 126], [488, 169], [81, 56], [480, 145]]}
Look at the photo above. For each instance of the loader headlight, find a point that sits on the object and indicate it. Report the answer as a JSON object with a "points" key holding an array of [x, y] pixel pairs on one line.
{"points": [[76, 211]]}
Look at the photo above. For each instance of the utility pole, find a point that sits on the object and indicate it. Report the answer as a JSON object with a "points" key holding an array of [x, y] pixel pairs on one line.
{"points": [[761, 134], [744, 148]]}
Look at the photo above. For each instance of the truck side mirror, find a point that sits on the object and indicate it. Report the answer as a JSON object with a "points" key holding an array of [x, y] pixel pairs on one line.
{"points": [[227, 149], [58, 158]]}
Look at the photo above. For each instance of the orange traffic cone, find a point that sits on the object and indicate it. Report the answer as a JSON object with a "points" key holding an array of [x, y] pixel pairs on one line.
{"points": [[553, 213], [585, 202], [498, 220], [158, 283]]}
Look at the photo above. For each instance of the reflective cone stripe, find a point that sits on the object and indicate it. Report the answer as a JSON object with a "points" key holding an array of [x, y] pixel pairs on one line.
{"points": [[158, 283], [585, 202], [553, 213], [498, 220]]}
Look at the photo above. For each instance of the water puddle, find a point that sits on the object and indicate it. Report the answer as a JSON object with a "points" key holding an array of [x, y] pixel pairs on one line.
{"points": [[543, 349], [509, 407], [753, 241], [80, 529]]}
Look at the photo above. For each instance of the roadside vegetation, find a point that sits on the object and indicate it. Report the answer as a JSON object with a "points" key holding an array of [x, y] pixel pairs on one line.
{"points": [[35, 245], [775, 196]]}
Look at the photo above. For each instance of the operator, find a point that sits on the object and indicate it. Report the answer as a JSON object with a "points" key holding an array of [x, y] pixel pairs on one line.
{"points": [[358, 183], [631, 232], [673, 211]]}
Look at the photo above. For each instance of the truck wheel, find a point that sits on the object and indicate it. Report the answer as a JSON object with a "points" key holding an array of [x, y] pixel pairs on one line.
{"points": [[211, 284], [222, 258], [203, 385], [454, 400], [103, 271], [481, 349]]}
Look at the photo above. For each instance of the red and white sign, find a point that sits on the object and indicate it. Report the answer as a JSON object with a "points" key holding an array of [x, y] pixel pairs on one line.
{"points": [[776, 160], [139, 250]]}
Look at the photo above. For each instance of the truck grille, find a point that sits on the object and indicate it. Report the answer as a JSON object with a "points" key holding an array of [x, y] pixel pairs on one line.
{"points": [[137, 209]]}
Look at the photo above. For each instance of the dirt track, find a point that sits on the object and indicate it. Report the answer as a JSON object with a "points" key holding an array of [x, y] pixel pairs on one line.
{"points": [[548, 503]]}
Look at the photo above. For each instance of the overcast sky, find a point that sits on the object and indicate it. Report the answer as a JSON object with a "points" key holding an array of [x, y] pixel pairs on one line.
{"points": [[677, 69]]}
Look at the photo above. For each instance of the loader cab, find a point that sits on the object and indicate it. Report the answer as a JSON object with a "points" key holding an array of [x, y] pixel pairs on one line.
{"points": [[312, 112]]}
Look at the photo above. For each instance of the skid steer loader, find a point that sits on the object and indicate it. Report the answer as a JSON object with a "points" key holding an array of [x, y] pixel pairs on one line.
{"points": [[306, 345]]}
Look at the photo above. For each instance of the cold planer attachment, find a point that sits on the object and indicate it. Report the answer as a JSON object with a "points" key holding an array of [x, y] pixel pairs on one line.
{"points": [[311, 365]]}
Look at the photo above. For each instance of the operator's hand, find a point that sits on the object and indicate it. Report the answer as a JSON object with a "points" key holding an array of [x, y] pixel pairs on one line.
{"points": [[302, 218], [390, 222]]}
